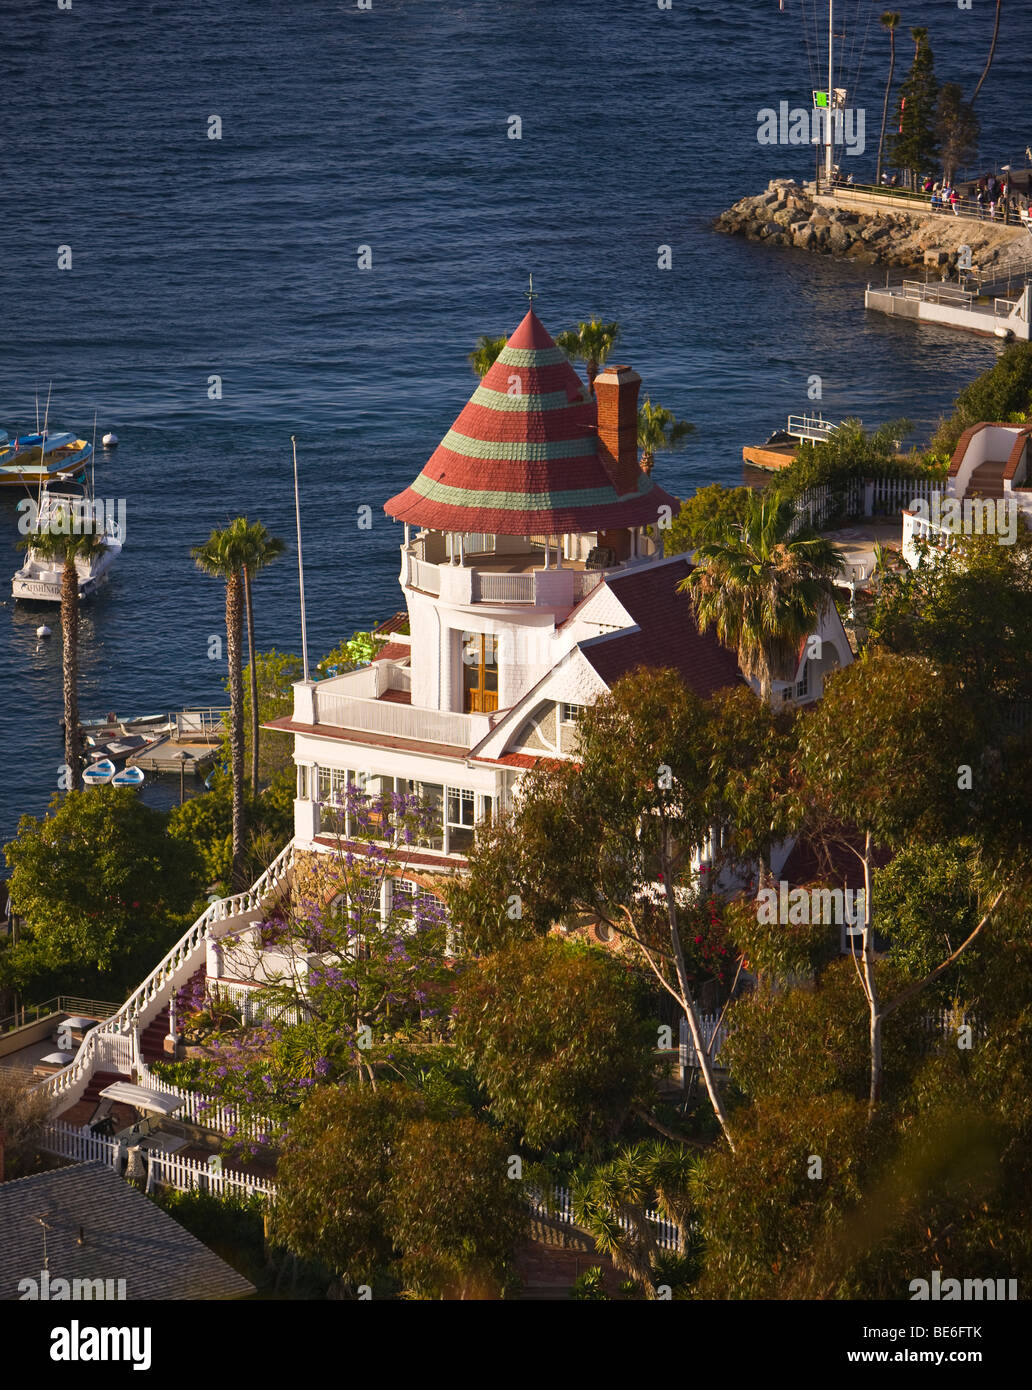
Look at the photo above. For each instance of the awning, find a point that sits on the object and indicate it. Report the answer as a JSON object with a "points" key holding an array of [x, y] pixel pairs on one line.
{"points": [[142, 1097]]}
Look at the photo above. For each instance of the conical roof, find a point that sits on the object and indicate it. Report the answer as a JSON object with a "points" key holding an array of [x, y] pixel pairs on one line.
{"points": [[522, 457]]}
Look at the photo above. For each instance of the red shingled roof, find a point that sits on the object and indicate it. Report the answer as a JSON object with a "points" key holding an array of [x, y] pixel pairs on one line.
{"points": [[666, 634], [522, 457], [393, 651]]}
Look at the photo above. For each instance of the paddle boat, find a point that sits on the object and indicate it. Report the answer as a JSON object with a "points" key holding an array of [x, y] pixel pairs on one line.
{"points": [[128, 777], [98, 774]]}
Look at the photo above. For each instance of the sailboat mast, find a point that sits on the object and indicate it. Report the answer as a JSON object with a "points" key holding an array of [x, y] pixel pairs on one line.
{"points": [[43, 452]]}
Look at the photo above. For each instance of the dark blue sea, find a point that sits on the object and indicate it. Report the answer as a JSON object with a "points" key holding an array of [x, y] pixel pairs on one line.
{"points": [[194, 258]]}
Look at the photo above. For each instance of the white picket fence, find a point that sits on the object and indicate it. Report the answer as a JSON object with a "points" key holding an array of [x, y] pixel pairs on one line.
{"points": [[714, 1035], [944, 1021], [560, 1209], [865, 498], [163, 1169], [210, 1111], [189, 1174]]}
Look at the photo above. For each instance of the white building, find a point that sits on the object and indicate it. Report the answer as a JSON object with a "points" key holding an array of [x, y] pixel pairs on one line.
{"points": [[534, 578]]}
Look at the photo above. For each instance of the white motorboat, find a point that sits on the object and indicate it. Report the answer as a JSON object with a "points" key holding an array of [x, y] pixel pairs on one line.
{"points": [[98, 774], [39, 578]]}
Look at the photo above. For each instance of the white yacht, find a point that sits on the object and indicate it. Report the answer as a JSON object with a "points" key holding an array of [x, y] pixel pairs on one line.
{"points": [[39, 578]]}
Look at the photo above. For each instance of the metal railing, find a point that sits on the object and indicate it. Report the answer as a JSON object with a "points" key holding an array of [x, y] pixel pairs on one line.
{"points": [[937, 293], [200, 723], [60, 1004], [812, 427]]}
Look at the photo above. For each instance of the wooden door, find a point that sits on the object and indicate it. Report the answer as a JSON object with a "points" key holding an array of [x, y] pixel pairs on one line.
{"points": [[479, 672]]}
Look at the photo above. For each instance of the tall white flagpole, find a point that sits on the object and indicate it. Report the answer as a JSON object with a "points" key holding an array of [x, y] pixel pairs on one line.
{"points": [[300, 563]]}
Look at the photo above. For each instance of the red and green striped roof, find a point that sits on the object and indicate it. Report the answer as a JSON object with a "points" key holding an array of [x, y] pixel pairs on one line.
{"points": [[522, 457]]}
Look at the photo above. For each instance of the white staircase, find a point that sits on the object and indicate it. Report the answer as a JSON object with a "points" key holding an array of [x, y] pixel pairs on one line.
{"points": [[113, 1041]]}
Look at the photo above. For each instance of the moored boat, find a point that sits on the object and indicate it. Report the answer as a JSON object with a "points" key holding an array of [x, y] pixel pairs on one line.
{"points": [[32, 459], [39, 578], [98, 774], [128, 777]]}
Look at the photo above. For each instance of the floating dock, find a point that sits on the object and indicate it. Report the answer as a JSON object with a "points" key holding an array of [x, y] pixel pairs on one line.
{"points": [[950, 306]]}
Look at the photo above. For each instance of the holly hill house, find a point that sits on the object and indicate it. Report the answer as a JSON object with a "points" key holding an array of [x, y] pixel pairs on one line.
{"points": [[534, 578]]}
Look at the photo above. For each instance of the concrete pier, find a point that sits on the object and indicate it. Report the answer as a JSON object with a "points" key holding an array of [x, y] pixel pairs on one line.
{"points": [[950, 306]]}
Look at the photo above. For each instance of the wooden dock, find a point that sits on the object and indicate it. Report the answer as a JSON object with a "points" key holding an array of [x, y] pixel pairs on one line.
{"points": [[770, 456], [169, 755]]}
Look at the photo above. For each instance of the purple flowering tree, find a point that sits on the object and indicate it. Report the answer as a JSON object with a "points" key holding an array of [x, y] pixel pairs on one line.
{"points": [[349, 972]]}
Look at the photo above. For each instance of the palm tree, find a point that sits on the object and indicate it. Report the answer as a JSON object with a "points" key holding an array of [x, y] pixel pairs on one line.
{"points": [[762, 586], [658, 428], [889, 21], [590, 343], [260, 549], [992, 50], [482, 358], [224, 555], [84, 539]]}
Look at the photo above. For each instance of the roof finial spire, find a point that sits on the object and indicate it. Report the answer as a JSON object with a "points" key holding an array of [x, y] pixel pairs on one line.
{"points": [[531, 295]]}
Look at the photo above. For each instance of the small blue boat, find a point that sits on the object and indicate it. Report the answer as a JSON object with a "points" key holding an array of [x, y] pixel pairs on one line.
{"points": [[128, 777], [99, 774]]}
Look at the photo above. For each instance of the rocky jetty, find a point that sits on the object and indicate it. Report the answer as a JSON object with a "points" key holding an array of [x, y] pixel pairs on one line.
{"points": [[786, 215]]}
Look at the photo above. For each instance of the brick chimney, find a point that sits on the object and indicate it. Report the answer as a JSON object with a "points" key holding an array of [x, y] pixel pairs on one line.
{"points": [[616, 392]]}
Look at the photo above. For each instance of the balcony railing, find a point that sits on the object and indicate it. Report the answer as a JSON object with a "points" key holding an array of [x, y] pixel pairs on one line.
{"points": [[464, 585], [424, 576], [400, 721], [503, 588]]}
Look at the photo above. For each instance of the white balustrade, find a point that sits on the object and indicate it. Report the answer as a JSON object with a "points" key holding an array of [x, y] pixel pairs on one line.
{"points": [[400, 721], [145, 1003]]}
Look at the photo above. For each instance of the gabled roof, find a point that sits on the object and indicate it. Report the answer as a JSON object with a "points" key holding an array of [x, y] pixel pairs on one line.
{"points": [[522, 457], [664, 632], [125, 1236]]}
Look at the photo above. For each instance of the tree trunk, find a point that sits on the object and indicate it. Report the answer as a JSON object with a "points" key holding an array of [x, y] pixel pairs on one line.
{"points": [[70, 669], [234, 633], [254, 681], [989, 60], [885, 105], [875, 1027], [688, 1003]]}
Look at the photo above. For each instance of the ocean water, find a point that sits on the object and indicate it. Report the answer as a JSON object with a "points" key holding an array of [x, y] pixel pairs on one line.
{"points": [[236, 258]]}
